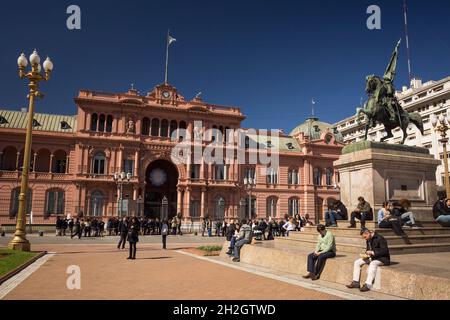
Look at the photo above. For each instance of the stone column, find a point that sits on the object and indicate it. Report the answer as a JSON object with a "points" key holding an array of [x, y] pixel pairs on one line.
{"points": [[136, 161], [88, 121], [51, 163], [17, 160], [120, 159], [202, 204], [34, 162], [179, 200], [67, 163], [188, 203]]}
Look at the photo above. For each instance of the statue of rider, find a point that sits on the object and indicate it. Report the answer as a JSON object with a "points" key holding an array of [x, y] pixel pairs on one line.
{"points": [[385, 95]]}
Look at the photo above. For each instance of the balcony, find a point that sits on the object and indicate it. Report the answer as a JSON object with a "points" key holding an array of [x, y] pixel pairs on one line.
{"points": [[14, 175]]}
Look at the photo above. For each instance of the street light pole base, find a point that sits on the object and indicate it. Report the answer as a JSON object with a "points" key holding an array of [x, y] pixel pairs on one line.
{"points": [[19, 244]]}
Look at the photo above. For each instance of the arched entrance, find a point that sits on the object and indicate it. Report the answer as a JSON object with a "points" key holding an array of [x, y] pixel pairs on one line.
{"points": [[161, 179]]}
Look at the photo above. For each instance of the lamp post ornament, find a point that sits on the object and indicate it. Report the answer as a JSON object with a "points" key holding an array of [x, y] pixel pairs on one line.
{"points": [[20, 242]]}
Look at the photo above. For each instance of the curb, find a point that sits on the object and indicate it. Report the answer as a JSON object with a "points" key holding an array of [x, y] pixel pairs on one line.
{"points": [[17, 270]]}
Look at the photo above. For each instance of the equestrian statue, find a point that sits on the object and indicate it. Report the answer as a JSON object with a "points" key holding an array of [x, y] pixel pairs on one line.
{"points": [[383, 106]]}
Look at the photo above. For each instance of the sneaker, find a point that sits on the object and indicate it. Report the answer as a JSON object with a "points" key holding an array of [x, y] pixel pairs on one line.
{"points": [[307, 276], [353, 285], [364, 288], [236, 260]]}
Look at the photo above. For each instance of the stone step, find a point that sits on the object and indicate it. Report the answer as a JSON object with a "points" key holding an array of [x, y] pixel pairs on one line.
{"points": [[387, 232], [374, 224], [352, 245], [403, 278]]}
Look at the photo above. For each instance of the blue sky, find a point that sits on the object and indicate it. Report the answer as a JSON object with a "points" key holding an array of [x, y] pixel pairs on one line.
{"points": [[270, 58]]}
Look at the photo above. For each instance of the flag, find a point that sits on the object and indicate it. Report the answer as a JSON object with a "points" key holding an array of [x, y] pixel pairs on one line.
{"points": [[170, 39]]}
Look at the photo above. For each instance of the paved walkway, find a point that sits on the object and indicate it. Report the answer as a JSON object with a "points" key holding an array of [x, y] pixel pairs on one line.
{"points": [[155, 274]]}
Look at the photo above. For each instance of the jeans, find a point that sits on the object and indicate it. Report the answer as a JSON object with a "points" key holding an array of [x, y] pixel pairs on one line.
{"points": [[164, 240], [409, 216], [331, 217], [232, 243], [361, 216], [238, 246], [444, 220], [123, 239], [371, 273], [317, 263], [392, 224], [133, 249]]}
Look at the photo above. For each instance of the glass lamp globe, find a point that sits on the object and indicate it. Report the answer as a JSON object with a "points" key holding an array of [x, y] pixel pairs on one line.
{"points": [[128, 176], [122, 175], [245, 181], [433, 120], [39, 68], [441, 119], [22, 61], [34, 58], [116, 176], [48, 65]]}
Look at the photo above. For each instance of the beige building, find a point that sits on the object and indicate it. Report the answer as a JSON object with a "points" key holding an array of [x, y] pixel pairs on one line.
{"points": [[432, 97]]}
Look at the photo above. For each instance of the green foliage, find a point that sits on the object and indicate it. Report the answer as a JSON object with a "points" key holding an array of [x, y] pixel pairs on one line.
{"points": [[10, 259], [210, 248]]}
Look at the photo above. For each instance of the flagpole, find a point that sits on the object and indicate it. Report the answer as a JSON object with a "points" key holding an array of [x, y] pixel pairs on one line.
{"points": [[167, 57]]}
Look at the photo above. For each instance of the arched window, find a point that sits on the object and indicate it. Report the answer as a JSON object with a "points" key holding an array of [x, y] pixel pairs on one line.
{"points": [[42, 161], [195, 209], [98, 164], [219, 208], [109, 121], [182, 131], [173, 128], [164, 128], [271, 207], [155, 127], [9, 158], [94, 119], [317, 177], [14, 203], [54, 202], [101, 123], [293, 206], [59, 162], [145, 127], [293, 178], [271, 176], [96, 204], [329, 178], [250, 173]]}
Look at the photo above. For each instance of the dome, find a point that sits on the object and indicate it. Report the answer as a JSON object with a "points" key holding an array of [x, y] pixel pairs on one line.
{"points": [[313, 128]]}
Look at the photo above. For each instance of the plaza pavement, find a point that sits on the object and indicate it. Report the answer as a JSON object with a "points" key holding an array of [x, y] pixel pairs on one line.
{"points": [[155, 274]]}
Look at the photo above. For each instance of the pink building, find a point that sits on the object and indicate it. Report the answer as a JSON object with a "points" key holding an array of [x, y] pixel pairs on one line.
{"points": [[75, 158]]}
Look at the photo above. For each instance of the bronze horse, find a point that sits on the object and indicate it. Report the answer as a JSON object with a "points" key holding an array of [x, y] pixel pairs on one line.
{"points": [[375, 113]]}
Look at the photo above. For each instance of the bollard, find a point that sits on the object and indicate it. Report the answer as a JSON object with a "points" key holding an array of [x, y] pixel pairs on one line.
{"points": [[41, 233]]}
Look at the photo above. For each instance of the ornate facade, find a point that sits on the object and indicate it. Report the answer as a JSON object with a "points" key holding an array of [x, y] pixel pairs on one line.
{"points": [[75, 161]]}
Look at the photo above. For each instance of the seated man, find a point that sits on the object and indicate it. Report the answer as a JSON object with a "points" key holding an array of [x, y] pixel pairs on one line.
{"points": [[377, 254], [441, 212], [363, 212], [330, 217], [325, 249], [245, 237], [402, 210], [387, 221], [232, 238]]}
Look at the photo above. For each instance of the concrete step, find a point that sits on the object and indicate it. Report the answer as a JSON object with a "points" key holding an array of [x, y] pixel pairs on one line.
{"points": [[352, 245], [355, 232], [404, 278], [374, 224]]}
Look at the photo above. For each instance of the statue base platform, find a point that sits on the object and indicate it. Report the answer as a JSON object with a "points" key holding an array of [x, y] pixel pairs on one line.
{"points": [[386, 172]]}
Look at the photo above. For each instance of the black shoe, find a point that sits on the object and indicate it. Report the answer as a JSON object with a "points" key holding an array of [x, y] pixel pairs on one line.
{"points": [[134, 258], [314, 277], [364, 288], [353, 285], [352, 226], [230, 253], [236, 260], [129, 258], [307, 276]]}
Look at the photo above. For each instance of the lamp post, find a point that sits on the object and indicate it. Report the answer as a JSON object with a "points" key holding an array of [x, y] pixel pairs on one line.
{"points": [[121, 178], [441, 125], [249, 184], [20, 242]]}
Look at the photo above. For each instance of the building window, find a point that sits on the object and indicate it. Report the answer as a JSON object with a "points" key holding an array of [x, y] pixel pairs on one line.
{"points": [[96, 204], [195, 171], [293, 206], [250, 173], [293, 177], [94, 119], [317, 177], [271, 176], [109, 121], [271, 207], [219, 172], [128, 166], [219, 208], [145, 126], [99, 163], [164, 128], [54, 202], [329, 178], [14, 205], [195, 209], [155, 127], [101, 123]]}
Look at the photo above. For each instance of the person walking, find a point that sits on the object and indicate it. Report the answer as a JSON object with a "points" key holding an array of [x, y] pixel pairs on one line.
{"points": [[164, 233], [133, 237], [123, 231], [77, 229]]}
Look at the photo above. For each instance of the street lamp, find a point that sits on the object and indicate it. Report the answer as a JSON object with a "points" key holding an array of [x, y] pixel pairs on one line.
{"points": [[121, 178], [249, 184], [20, 242], [441, 125]]}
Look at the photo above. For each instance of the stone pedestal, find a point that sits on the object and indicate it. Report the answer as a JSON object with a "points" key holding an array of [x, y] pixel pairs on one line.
{"points": [[380, 172]]}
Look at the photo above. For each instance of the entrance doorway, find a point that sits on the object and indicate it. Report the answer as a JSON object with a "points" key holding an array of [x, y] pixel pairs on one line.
{"points": [[161, 179]]}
